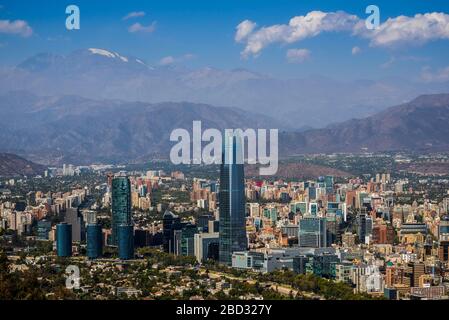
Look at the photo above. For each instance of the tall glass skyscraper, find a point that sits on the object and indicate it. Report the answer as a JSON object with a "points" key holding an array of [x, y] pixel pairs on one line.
{"points": [[121, 205], [64, 240], [232, 200], [94, 241], [125, 242]]}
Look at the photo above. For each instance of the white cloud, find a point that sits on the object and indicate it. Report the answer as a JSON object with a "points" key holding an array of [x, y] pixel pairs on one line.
{"points": [[244, 29], [172, 60], [297, 55], [355, 50], [135, 14], [416, 30], [400, 30], [167, 61], [137, 27], [298, 28], [440, 75], [16, 27]]}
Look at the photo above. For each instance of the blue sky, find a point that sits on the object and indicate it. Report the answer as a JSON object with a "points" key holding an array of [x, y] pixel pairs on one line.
{"points": [[202, 33]]}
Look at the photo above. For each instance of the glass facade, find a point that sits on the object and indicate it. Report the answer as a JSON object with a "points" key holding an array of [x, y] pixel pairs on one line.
{"points": [[187, 240], [125, 242], [94, 241], [43, 228], [312, 232], [121, 205], [64, 240], [232, 200]]}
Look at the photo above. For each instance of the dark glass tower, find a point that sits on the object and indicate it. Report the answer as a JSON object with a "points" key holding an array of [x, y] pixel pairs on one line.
{"points": [[94, 241], [121, 205], [64, 240], [125, 242], [232, 200]]}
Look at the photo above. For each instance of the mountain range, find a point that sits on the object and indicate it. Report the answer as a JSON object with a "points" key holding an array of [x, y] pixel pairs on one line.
{"points": [[420, 124], [12, 166], [71, 129], [305, 101]]}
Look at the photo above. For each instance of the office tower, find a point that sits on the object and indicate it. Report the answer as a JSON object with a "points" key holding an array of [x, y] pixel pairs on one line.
{"points": [[312, 232], [364, 226], [43, 229], [206, 246], [232, 199], [121, 205], [313, 208], [444, 225], [329, 183], [125, 241], [94, 241], [414, 270], [187, 239], [311, 193], [64, 240], [73, 217], [203, 221], [170, 223], [443, 249]]}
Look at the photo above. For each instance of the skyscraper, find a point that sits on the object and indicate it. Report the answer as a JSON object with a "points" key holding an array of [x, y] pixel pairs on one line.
{"points": [[94, 241], [125, 241], [73, 217], [232, 199], [64, 240], [121, 205], [312, 232]]}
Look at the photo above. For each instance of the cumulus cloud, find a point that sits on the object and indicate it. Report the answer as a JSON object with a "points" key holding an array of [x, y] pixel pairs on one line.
{"points": [[137, 27], [134, 14], [298, 28], [401, 30], [244, 29], [16, 27], [355, 50], [415, 30], [297, 55]]}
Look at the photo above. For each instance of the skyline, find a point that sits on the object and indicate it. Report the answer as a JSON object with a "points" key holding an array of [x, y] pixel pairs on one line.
{"points": [[202, 34]]}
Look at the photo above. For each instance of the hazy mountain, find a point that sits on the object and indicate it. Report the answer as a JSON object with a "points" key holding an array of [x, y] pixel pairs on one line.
{"points": [[12, 166], [72, 129], [306, 101], [80, 130], [418, 125]]}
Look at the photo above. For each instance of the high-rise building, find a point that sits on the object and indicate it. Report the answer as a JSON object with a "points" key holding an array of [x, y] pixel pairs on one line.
{"points": [[73, 217], [443, 250], [43, 229], [206, 246], [187, 239], [121, 205], [364, 226], [444, 225], [232, 199], [125, 241], [64, 240], [312, 232], [94, 241], [170, 223]]}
